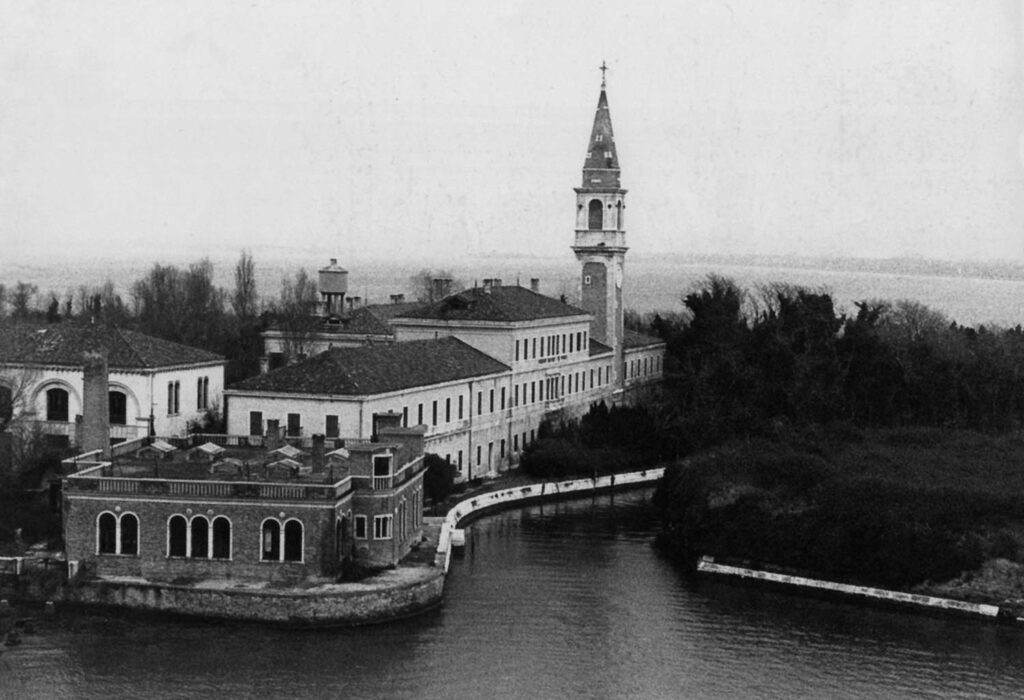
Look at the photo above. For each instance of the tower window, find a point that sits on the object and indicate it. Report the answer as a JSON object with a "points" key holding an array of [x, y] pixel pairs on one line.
{"points": [[595, 220], [586, 279], [607, 154], [599, 138]]}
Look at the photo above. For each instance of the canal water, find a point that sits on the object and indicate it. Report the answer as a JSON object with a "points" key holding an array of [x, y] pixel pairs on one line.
{"points": [[564, 600]]}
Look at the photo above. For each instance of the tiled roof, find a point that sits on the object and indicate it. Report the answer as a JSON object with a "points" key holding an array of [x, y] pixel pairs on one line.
{"points": [[377, 369], [632, 339], [500, 303], [598, 348], [64, 343]]}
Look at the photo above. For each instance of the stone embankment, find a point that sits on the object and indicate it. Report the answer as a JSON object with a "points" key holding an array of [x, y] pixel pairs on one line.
{"points": [[709, 566], [406, 590]]}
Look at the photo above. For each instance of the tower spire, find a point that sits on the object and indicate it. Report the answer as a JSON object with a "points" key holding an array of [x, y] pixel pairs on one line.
{"points": [[600, 243]]}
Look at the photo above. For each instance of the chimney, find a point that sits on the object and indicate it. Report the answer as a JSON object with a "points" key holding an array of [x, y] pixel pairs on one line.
{"points": [[95, 433], [535, 284], [318, 453], [440, 287], [397, 298], [273, 440]]}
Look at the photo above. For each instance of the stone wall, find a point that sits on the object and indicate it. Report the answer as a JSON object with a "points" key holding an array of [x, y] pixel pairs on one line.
{"points": [[315, 607]]}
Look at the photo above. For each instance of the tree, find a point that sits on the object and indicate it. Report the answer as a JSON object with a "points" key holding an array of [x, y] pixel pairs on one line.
{"points": [[244, 298], [295, 313], [433, 285], [21, 300], [439, 479]]}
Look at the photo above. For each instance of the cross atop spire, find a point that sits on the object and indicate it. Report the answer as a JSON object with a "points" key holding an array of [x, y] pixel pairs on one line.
{"points": [[601, 167]]}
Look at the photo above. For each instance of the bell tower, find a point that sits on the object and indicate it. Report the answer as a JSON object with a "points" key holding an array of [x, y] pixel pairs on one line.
{"points": [[600, 244]]}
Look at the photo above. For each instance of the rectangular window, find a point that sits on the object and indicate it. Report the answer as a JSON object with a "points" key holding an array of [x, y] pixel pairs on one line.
{"points": [[591, 379], [479, 402], [331, 427], [517, 351], [360, 525], [433, 413], [532, 436], [501, 453], [460, 406], [448, 410], [533, 392], [382, 527], [515, 443], [535, 347], [255, 422], [405, 416], [460, 460], [492, 401], [515, 395], [479, 455], [293, 425], [502, 398], [540, 389], [419, 415]]}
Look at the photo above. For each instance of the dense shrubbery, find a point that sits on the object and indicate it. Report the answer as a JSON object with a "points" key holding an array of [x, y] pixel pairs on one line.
{"points": [[741, 365], [604, 441], [807, 507]]}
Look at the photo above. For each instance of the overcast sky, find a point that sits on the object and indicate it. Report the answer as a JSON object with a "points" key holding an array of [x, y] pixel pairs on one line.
{"points": [[873, 128]]}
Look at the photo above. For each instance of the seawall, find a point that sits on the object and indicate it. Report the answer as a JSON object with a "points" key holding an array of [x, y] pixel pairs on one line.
{"points": [[867, 593], [392, 596], [477, 505]]}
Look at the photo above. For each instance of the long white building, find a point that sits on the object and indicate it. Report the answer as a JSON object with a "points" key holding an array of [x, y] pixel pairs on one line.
{"points": [[481, 368]]}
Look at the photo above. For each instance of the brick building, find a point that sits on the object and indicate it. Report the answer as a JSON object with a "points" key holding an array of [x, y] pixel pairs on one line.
{"points": [[219, 507]]}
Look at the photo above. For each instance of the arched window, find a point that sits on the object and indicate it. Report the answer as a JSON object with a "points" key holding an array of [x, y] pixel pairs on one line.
{"points": [[293, 541], [270, 545], [595, 219], [129, 534], [57, 405], [176, 541], [221, 538], [107, 527], [118, 404], [200, 537]]}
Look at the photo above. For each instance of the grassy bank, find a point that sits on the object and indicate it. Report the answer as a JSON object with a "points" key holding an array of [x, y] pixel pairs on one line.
{"points": [[893, 508]]}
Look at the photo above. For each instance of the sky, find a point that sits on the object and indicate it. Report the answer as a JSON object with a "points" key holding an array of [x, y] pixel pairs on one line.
{"points": [[434, 130]]}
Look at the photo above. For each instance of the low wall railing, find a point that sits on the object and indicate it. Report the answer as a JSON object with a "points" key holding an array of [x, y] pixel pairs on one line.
{"points": [[531, 492]]}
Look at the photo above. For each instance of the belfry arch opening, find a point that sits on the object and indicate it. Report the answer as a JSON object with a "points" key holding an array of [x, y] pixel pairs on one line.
{"points": [[595, 215]]}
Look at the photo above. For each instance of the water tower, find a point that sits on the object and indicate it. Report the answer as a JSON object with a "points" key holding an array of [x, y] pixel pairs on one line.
{"points": [[333, 287]]}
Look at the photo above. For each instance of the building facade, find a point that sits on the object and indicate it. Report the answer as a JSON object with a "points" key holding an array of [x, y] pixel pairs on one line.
{"points": [[155, 386], [179, 508], [480, 369]]}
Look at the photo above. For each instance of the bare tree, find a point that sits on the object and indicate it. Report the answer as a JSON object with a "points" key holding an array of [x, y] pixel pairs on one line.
{"points": [[295, 313], [433, 285], [244, 299], [22, 300], [16, 386]]}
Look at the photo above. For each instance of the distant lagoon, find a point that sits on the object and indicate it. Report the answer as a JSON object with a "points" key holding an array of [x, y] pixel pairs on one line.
{"points": [[652, 283]]}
